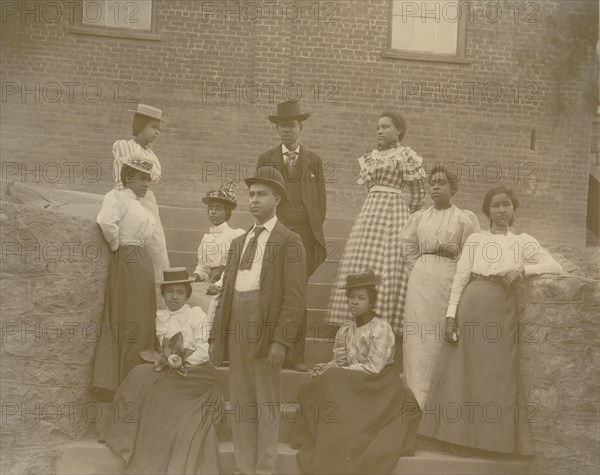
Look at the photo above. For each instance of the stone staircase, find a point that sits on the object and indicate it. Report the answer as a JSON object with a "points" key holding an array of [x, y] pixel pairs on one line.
{"points": [[184, 228]]}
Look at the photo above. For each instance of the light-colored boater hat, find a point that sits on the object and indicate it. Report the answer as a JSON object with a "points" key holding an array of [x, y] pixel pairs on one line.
{"points": [[149, 111]]}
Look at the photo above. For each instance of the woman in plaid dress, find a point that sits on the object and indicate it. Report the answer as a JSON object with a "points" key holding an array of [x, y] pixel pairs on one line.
{"points": [[374, 241]]}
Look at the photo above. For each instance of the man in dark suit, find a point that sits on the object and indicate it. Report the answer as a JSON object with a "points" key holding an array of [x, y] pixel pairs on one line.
{"points": [[260, 308], [304, 211]]}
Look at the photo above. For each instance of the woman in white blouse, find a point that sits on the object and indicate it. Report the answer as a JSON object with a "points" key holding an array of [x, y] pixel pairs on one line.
{"points": [[432, 240], [164, 422], [130, 298], [477, 400], [145, 130]]}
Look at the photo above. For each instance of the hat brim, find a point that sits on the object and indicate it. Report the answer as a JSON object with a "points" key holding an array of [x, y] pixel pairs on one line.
{"points": [[147, 115], [183, 281], [271, 183], [277, 118], [207, 199], [361, 284]]}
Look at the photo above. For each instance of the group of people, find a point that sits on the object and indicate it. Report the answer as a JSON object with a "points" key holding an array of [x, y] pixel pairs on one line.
{"points": [[416, 295]]}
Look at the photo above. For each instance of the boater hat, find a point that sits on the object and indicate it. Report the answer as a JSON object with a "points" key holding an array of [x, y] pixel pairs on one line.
{"points": [[269, 176], [175, 275], [140, 163], [289, 110], [225, 195], [149, 111], [365, 279]]}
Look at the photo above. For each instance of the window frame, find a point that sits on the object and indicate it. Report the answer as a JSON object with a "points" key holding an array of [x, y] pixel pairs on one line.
{"points": [[460, 56], [79, 28]]}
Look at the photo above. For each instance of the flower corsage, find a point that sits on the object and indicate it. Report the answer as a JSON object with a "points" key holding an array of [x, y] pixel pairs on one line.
{"points": [[173, 355]]}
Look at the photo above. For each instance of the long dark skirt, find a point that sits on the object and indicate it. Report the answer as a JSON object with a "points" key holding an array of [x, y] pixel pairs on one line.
{"points": [[164, 423], [128, 320], [353, 422], [476, 399]]}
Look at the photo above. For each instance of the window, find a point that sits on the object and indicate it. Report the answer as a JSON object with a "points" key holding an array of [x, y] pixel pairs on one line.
{"points": [[118, 18], [429, 30]]}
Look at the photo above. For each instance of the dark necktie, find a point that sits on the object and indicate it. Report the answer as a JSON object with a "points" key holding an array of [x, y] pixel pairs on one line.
{"points": [[290, 159], [250, 252]]}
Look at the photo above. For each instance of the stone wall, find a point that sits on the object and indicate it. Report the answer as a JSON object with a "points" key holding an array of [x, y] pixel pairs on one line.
{"points": [[560, 360], [54, 269]]}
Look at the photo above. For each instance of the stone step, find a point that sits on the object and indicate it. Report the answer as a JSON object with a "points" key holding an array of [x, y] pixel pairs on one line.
{"points": [[89, 457], [289, 415], [196, 218]]}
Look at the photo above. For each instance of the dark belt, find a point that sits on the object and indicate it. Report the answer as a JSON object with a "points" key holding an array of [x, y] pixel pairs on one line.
{"points": [[492, 278]]}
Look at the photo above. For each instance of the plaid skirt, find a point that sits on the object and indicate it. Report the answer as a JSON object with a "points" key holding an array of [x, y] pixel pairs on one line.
{"points": [[374, 243]]}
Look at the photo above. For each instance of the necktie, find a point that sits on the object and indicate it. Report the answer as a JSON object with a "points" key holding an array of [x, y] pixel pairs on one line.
{"points": [[290, 159], [250, 252]]}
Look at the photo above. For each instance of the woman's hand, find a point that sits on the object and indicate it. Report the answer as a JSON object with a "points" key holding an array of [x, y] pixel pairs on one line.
{"points": [[319, 369], [450, 330], [197, 278], [213, 289], [513, 275]]}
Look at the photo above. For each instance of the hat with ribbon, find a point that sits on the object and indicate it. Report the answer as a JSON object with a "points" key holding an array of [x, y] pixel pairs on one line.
{"points": [[289, 110], [149, 111], [139, 162], [269, 176], [364, 279], [175, 275], [225, 194]]}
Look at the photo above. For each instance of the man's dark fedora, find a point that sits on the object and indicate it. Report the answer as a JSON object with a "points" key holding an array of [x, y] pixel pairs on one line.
{"points": [[289, 110], [365, 279], [269, 176]]}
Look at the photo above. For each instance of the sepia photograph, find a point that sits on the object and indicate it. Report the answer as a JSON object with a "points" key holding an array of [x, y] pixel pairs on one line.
{"points": [[299, 237]]}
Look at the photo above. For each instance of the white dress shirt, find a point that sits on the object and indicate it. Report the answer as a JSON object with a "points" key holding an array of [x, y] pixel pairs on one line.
{"points": [[124, 220], [213, 248], [490, 254], [250, 279], [194, 326]]}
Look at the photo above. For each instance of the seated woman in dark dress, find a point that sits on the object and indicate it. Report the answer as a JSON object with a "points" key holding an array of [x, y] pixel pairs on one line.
{"points": [[356, 416], [164, 421]]}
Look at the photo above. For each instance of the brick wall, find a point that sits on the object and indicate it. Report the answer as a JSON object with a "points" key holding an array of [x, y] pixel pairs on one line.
{"points": [[544, 77]]}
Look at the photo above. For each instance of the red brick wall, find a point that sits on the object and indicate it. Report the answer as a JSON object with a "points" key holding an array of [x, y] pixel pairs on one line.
{"points": [[336, 59]]}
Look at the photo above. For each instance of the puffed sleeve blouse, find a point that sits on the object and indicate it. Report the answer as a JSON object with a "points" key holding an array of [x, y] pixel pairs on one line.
{"points": [[491, 254], [428, 230], [398, 167], [194, 326], [124, 220], [367, 348]]}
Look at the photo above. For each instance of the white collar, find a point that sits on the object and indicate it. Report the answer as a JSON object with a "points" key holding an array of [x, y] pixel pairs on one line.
{"points": [[130, 193], [165, 313], [284, 149], [220, 228], [269, 225]]}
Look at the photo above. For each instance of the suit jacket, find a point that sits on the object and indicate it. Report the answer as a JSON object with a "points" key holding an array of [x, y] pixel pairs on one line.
{"points": [[282, 292], [314, 195]]}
